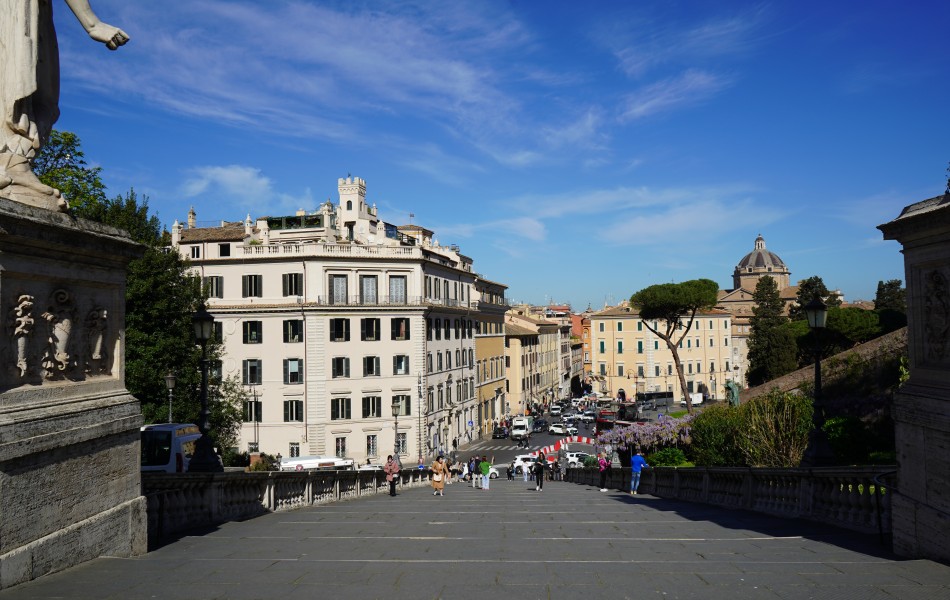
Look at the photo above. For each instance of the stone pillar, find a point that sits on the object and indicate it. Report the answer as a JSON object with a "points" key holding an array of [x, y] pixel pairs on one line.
{"points": [[921, 508], [70, 488]]}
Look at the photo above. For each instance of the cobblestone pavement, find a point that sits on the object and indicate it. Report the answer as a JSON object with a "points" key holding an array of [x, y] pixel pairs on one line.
{"points": [[511, 542]]}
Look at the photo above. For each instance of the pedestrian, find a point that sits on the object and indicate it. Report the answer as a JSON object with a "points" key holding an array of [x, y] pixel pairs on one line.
{"points": [[604, 465], [439, 474], [556, 471], [474, 472], [511, 471], [539, 470], [391, 469], [636, 466], [525, 468], [485, 468]]}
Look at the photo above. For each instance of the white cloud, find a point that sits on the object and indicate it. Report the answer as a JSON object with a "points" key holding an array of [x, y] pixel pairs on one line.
{"points": [[690, 88]]}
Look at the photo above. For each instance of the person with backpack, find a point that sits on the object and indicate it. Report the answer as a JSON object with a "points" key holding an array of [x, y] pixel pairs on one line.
{"points": [[603, 463]]}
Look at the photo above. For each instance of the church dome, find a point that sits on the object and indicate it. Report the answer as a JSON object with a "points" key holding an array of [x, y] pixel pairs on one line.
{"points": [[761, 259]]}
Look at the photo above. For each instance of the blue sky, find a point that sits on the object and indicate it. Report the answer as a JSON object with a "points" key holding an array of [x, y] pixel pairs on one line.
{"points": [[578, 152]]}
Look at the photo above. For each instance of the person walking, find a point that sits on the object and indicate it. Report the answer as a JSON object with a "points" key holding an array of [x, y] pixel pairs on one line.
{"points": [[525, 470], [603, 463], [485, 468], [637, 463], [439, 474], [474, 472], [539, 465], [391, 469]]}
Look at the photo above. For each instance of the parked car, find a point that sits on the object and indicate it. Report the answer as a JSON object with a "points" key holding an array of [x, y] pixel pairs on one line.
{"points": [[168, 447], [539, 425], [588, 416], [555, 410], [562, 429], [499, 433], [492, 473], [576, 459]]}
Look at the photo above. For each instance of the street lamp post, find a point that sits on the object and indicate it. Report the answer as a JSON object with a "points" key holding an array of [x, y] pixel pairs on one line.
{"points": [[204, 459], [713, 380], [395, 407], [170, 384], [818, 453]]}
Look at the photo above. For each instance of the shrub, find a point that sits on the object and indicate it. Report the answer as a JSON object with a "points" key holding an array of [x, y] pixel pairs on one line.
{"points": [[716, 434], [775, 429], [590, 462], [667, 457]]}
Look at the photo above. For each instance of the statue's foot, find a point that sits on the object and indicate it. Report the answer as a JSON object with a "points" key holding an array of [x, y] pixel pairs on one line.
{"points": [[24, 187]]}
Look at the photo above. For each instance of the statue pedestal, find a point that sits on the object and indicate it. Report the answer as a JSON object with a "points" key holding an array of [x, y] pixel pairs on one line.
{"points": [[70, 487], [921, 506]]}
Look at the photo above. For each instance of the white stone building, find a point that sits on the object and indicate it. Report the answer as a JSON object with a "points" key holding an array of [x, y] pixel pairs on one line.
{"points": [[331, 317]]}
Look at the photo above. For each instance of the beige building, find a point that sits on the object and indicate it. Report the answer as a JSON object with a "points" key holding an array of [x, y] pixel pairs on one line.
{"points": [[738, 301], [330, 318], [522, 349], [627, 356], [548, 368], [490, 354]]}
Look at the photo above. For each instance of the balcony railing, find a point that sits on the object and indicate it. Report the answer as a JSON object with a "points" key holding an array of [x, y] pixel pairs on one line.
{"points": [[180, 502], [331, 250], [847, 497]]}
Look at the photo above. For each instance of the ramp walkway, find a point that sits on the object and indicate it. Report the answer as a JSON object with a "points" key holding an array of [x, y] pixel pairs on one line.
{"points": [[511, 542]]}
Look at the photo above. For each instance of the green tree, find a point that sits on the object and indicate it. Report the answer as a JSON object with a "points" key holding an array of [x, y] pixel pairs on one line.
{"points": [[61, 164], [772, 348], [809, 289], [890, 304], [672, 304]]}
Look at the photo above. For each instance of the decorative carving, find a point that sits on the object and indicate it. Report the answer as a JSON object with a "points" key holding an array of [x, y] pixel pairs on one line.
{"points": [[936, 315], [59, 315], [96, 326], [22, 322]]}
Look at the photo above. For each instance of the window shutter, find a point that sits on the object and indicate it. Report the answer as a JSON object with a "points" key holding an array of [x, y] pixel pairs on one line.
{"points": [[346, 367], [346, 330], [285, 280]]}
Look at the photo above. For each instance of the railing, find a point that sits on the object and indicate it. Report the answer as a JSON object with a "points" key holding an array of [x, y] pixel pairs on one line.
{"points": [[848, 497], [321, 249], [178, 502]]}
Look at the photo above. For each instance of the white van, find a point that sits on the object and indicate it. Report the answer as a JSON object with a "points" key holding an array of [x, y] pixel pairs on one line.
{"points": [[168, 447]]}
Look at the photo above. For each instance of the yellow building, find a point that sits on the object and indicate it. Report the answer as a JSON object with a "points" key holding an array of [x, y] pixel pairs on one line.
{"points": [[523, 379], [490, 353], [627, 356]]}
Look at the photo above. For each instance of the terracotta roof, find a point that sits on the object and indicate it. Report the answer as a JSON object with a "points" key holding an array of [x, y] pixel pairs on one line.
{"points": [[213, 234]]}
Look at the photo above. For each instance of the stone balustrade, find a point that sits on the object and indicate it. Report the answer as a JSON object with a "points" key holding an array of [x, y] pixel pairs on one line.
{"points": [[846, 497], [179, 502]]}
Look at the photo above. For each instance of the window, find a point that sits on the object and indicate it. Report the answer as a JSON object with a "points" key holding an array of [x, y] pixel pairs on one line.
{"points": [[639, 370], [601, 327], [337, 289], [438, 329], [399, 328], [294, 449], [293, 371], [712, 367], [214, 286], [367, 289], [224, 250], [369, 330], [727, 366], [448, 360], [699, 367], [429, 329], [371, 366], [669, 368], [603, 346], [619, 370], [725, 341], [372, 407], [619, 346], [405, 404], [448, 329], [401, 364], [339, 409], [339, 330], [293, 331], [341, 366], [252, 372], [252, 286], [253, 447], [656, 370], [429, 362], [372, 446], [293, 284], [397, 289], [252, 410], [431, 400], [196, 251], [689, 368], [253, 332], [639, 325], [603, 368], [439, 360], [619, 325], [711, 342], [402, 446], [656, 344], [341, 447], [471, 358], [293, 410], [639, 346]]}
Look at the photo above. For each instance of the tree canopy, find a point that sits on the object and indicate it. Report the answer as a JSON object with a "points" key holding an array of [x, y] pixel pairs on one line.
{"points": [[674, 303], [772, 348], [808, 290]]}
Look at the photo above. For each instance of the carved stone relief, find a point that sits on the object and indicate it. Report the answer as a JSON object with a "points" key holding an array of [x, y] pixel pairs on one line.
{"points": [[21, 317], [936, 316]]}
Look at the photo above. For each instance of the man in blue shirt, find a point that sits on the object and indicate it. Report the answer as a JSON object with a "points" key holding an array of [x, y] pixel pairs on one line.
{"points": [[636, 466]]}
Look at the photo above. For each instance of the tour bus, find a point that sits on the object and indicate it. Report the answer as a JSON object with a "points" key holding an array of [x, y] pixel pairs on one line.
{"points": [[322, 463]]}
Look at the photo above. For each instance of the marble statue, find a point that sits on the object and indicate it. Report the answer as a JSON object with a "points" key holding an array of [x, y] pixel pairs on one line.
{"points": [[29, 90]]}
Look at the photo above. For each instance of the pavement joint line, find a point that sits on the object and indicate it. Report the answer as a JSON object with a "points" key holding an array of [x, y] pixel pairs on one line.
{"points": [[455, 561]]}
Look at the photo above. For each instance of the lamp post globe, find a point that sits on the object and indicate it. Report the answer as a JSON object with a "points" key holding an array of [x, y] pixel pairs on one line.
{"points": [[204, 459]]}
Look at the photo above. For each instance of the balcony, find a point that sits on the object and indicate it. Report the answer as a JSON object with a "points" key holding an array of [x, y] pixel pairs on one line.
{"points": [[331, 250]]}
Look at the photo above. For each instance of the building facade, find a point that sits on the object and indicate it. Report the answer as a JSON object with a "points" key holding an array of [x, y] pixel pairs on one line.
{"points": [[490, 354], [627, 356], [352, 336]]}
